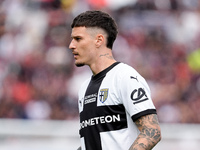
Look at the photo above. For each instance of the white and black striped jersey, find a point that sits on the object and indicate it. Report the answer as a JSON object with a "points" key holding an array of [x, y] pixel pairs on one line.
{"points": [[109, 103]]}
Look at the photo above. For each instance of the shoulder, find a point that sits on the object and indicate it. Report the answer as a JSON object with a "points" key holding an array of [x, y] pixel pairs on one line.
{"points": [[125, 71], [128, 77]]}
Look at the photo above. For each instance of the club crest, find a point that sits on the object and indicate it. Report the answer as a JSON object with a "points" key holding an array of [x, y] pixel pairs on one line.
{"points": [[103, 95]]}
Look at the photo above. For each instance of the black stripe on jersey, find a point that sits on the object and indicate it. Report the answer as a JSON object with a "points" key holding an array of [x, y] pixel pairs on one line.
{"points": [[95, 119], [102, 119], [98, 117], [143, 113], [94, 85]]}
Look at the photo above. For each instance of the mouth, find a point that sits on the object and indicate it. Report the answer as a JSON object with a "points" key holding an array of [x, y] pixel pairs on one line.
{"points": [[75, 55]]}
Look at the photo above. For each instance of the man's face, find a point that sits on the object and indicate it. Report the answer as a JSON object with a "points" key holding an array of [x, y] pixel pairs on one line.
{"points": [[82, 46]]}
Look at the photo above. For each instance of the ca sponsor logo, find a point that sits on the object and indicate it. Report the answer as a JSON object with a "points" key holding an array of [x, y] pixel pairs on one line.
{"points": [[138, 96], [103, 95]]}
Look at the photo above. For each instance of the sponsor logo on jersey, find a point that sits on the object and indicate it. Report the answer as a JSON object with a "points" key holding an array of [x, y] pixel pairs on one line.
{"points": [[90, 98], [103, 95], [134, 78], [139, 95], [100, 120]]}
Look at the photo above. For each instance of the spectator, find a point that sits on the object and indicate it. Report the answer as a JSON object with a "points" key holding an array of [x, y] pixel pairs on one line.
{"points": [[37, 76]]}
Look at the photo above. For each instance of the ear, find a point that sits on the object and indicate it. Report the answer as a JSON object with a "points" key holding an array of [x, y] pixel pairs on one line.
{"points": [[99, 40]]}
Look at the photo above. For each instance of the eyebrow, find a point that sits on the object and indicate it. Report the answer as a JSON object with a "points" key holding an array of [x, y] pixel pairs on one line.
{"points": [[76, 36]]}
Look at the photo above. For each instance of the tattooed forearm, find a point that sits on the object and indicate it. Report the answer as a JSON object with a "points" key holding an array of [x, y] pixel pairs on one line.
{"points": [[150, 133], [106, 55]]}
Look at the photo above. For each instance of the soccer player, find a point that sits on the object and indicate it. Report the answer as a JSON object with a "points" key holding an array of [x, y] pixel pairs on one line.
{"points": [[115, 106]]}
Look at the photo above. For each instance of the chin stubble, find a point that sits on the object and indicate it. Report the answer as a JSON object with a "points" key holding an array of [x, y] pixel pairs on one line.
{"points": [[79, 64]]}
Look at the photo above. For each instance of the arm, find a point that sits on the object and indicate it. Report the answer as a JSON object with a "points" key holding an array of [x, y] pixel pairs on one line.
{"points": [[150, 133]]}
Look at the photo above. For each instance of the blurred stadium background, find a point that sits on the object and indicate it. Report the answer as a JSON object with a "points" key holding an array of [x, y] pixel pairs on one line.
{"points": [[39, 82]]}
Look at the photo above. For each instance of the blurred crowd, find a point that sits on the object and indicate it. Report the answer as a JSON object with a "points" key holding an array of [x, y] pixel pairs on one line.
{"points": [[159, 38]]}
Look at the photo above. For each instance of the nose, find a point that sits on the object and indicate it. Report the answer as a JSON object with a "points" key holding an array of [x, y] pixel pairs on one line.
{"points": [[71, 45]]}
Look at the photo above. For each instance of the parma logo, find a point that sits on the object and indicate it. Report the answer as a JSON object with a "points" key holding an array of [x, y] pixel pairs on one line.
{"points": [[103, 95]]}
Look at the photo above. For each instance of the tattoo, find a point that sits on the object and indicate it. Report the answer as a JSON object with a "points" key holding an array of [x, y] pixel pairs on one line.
{"points": [[106, 55], [150, 133]]}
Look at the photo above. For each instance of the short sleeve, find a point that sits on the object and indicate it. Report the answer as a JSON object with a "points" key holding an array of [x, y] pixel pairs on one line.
{"points": [[135, 94]]}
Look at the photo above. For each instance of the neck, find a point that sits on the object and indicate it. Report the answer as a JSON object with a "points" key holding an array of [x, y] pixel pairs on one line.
{"points": [[103, 61]]}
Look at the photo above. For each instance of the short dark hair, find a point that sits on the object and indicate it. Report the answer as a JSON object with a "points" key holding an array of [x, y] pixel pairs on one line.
{"points": [[98, 19]]}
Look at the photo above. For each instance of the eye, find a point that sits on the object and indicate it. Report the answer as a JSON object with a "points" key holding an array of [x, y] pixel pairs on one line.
{"points": [[77, 38]]}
